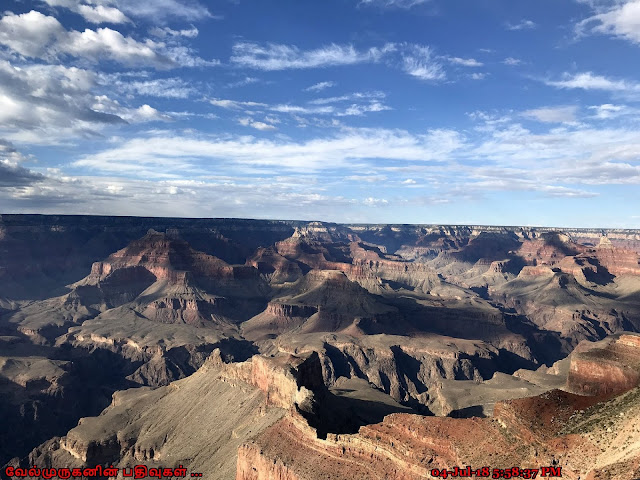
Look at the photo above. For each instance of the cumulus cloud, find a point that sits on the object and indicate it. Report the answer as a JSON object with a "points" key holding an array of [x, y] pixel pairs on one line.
{"points": [[622, 19], [30, 34], [45, 104], [40, 36], [12, 174], [144, 113], [100, 13]]}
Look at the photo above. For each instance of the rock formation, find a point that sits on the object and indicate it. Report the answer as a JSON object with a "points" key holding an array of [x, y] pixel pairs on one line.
{"points": [[353, 331]]}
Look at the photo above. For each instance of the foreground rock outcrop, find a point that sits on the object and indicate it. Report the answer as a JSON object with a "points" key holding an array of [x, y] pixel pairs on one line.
{"points": [[571, 433]]}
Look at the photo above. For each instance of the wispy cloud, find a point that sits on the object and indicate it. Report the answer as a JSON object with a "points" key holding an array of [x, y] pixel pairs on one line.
{"points": [[406, 4], [366, 102], [418, 61], [274, 56], [245, 81], [168, 152], [174, 87], [511, 61], [320, 86], [374, 95], [590, 81], [521, 25]]}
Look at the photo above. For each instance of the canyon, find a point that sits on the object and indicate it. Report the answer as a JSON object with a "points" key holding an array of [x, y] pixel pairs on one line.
{"points": [[256, 349]]}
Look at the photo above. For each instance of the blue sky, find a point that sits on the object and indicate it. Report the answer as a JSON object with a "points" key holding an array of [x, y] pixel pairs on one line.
{"points": [[513, 112]]}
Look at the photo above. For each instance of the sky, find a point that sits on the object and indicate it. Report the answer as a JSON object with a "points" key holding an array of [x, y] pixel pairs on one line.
{"points": [[484, 112]]}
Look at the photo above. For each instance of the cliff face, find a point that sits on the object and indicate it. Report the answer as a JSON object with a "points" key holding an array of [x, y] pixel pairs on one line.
{"points": [[557, 428], [401, 309], [608, 368], [286, 381]]}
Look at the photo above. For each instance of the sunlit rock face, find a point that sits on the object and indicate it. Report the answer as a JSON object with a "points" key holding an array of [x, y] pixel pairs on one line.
{"points": [[338, 342]]}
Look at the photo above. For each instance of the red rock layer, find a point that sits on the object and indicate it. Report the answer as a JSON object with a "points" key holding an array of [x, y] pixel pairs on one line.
{"points": [[612, 367]]}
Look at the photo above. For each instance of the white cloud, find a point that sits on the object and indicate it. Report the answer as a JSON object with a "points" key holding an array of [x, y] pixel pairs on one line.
{"points": [[608, 111], [569, 162], [102, 14], [358, 110], [105, 43], [243, 82], [522, 25], [478, 75], [374, 95], [159, 87], [393, 3], [250, 122], [95, 11], [620, 20], [162, 10], [318, 107], [165, 32], [234, 104], [418, 62], [465, 62], [145, 113], [111, 11], [589, 81], [39, 36], [320, 86], [48, 104], [168, 153], [563, 114], [282, 57], [44, 103], [36, 35], [29, 34], [375, 202], [512, 61]]}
